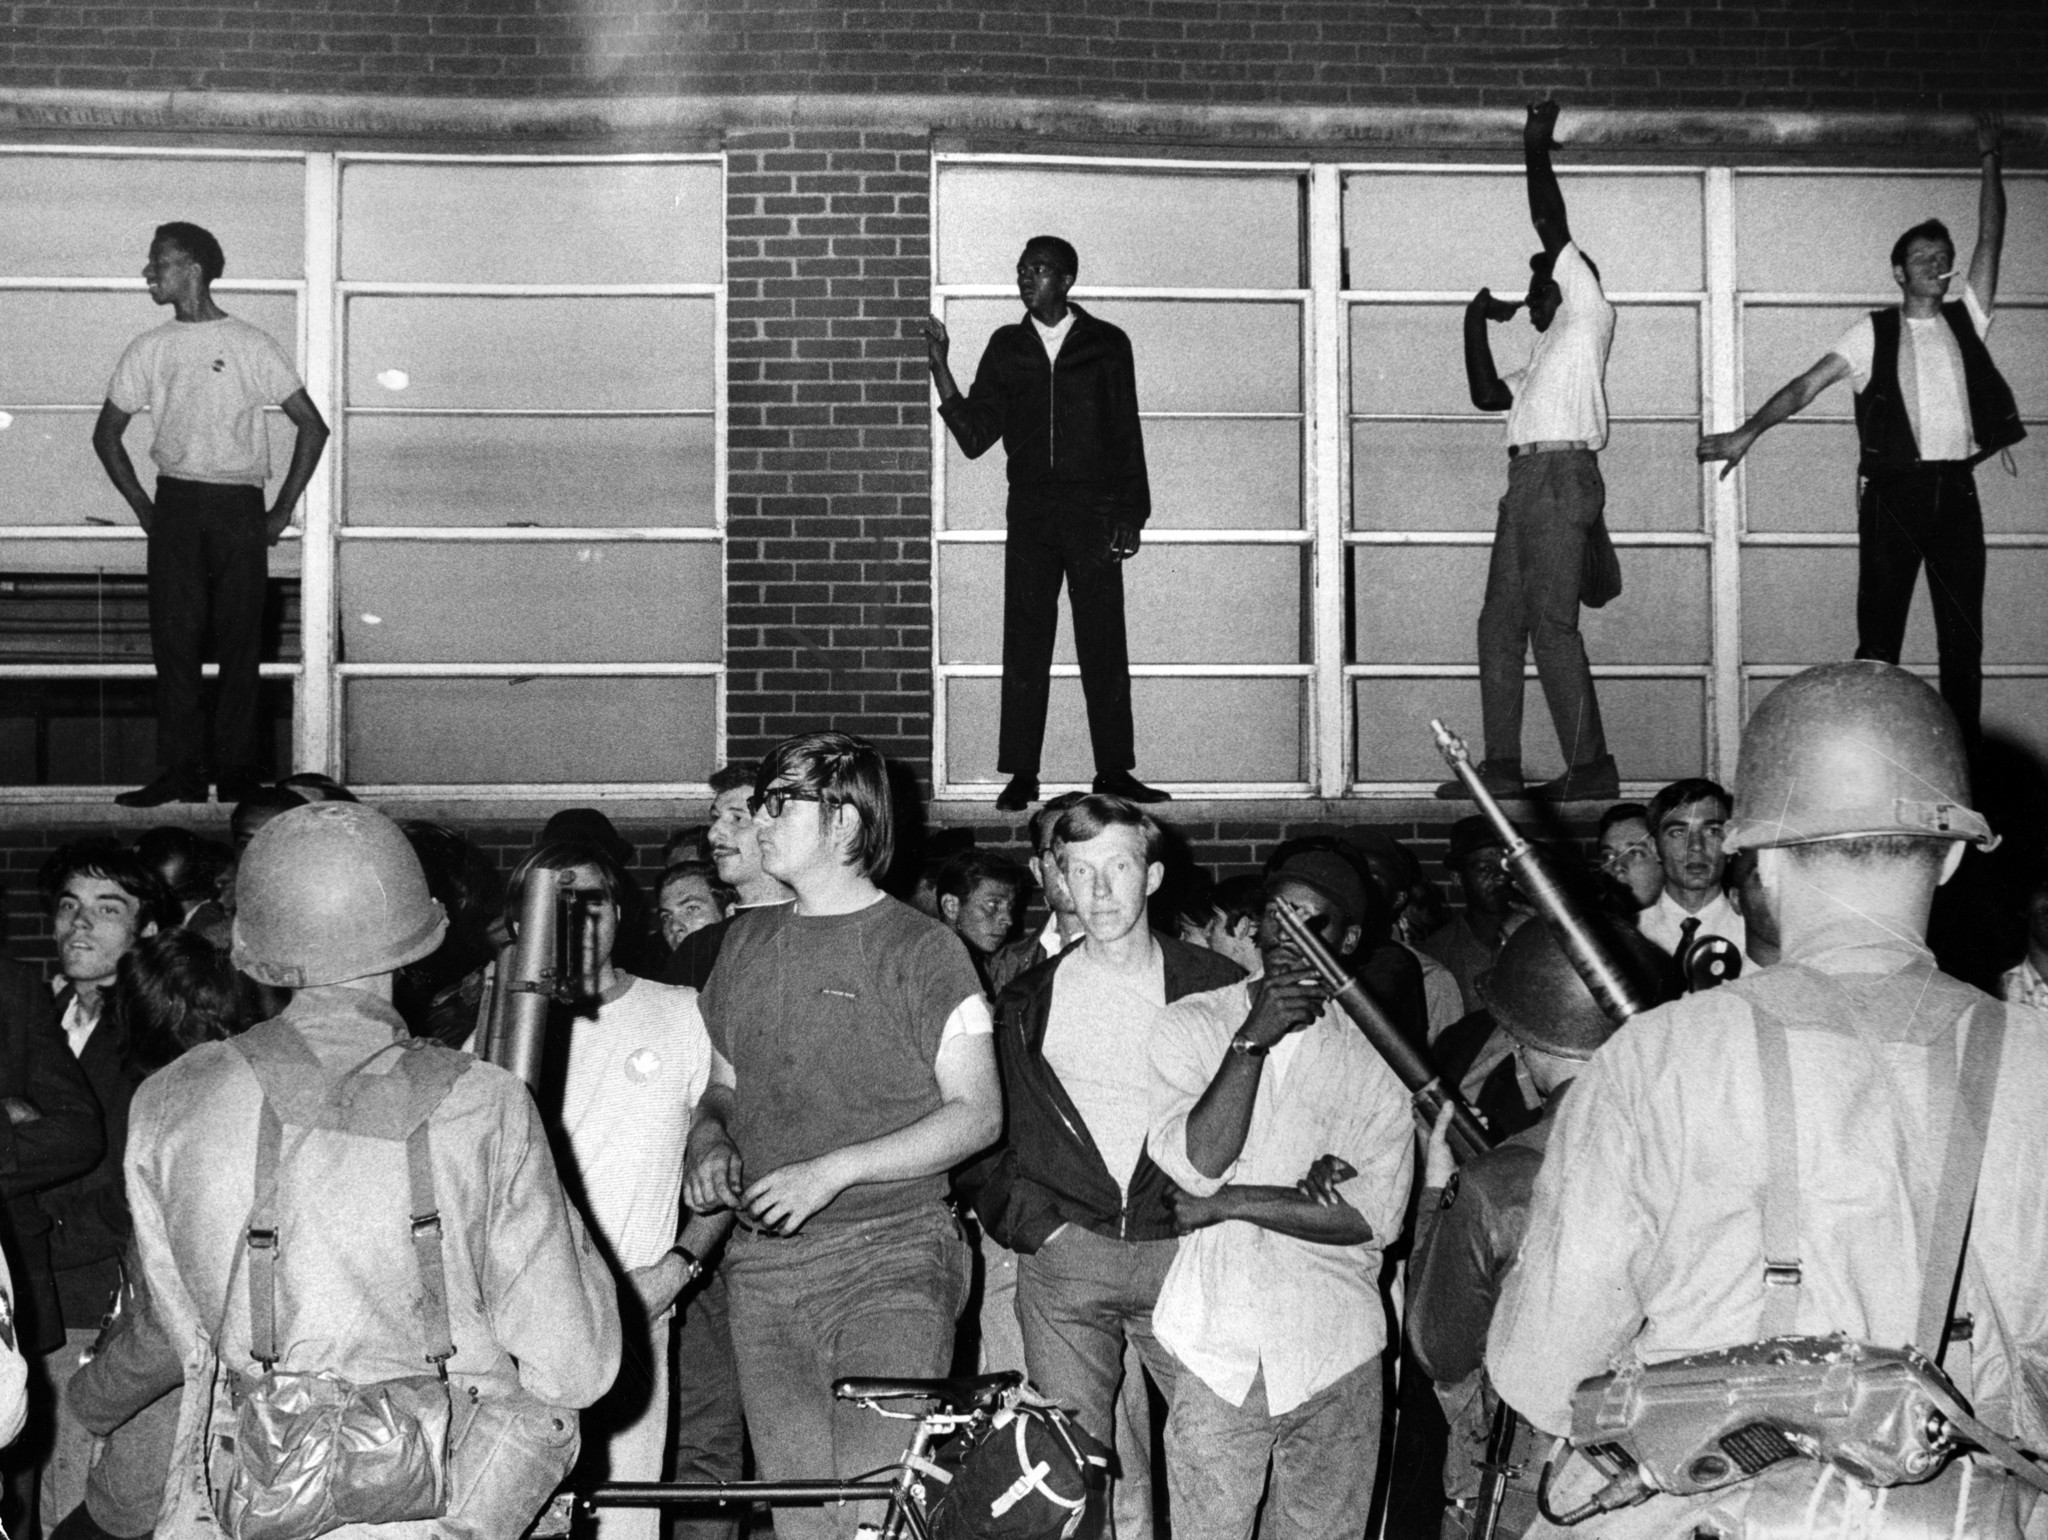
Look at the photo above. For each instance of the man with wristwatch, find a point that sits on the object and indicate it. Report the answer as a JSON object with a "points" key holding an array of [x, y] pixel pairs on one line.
{"points": [[1271, 1307]]}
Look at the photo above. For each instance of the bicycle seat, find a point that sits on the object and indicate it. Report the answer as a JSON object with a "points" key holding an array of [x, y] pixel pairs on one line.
{"points": [[979, 1392]]}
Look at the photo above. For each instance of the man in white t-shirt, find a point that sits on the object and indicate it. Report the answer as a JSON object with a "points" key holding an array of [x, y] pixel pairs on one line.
{"points": [[1929, 405], [1550, 546], [205, 379]]}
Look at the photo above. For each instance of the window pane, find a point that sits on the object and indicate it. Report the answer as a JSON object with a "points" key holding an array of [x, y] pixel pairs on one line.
{"points": [[49, 614], [1182, 604], [1799, 606], [1410, 359], [72, 216], [1451, 475], [110, 556], [491, 731], [1420, 604], [1834, 234], [590, 354], [1132, 229], [587, 471], [1192, 355], [1467, 231], [102, 732], [545, 602], [1230, 730], [1656, 728], [1207, 473], [531, 224], [1801, 479], [1780, 341], [61, 348]]}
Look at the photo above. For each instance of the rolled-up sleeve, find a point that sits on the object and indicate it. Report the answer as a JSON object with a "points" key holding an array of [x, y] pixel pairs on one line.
{"points": [[1189, 1039]]}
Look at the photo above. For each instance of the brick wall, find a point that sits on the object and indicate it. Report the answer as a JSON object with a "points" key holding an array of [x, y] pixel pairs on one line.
{"points": [[1681, 54], [828, 559]]}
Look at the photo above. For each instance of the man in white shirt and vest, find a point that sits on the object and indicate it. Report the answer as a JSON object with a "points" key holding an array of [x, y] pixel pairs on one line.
{"points": [[1271, 1307], [1550, 546], [1687, 819], [205, 378], [1929, 405]]}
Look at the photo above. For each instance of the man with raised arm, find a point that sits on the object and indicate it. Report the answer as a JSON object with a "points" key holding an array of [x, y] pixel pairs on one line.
{"points": [[1060, 390], [1930, 404], [1550, 547], [852, 1068], [1291, 1145], [205, 378]]}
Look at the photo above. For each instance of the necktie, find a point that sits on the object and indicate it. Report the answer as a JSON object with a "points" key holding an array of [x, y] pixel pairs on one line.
{"points": [[1687, 929]]}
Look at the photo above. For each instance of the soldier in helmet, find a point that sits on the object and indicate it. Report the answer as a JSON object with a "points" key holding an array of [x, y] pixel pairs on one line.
{"points": [[339, 1279], [1469, 1222], [1767, 1159]]}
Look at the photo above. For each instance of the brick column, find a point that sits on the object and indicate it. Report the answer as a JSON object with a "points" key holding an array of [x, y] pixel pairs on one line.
{"points": [[828, 598]]}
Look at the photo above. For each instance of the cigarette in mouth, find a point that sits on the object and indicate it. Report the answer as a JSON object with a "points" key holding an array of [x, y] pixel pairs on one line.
{"points": [[1944, 277]]}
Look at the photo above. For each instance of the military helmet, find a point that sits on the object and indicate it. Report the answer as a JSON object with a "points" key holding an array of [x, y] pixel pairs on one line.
{"points": [[1848, 750], [331, 892], [1537, 997]]}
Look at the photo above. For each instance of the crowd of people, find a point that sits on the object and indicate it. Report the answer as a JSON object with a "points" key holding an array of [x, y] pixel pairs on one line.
{"points": [[1130, 1147]]}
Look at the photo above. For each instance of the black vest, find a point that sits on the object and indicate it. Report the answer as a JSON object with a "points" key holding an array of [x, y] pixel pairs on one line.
{"points": [[1882, 423]]}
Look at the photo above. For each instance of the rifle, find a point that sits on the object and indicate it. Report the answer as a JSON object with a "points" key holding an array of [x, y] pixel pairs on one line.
{"points": [[1425, 1086], [531, 973]]}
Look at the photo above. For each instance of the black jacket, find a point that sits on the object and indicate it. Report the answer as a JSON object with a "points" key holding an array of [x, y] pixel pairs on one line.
{"points": [[1047, 1171], [62, 1141], [89, 1214], [1882, 424], [1070, 431]]}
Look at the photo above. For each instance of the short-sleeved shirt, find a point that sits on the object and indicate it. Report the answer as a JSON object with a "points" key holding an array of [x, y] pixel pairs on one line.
{"points": [[1930, 376], [205, 385], [832, 1025], [1561, 394]]}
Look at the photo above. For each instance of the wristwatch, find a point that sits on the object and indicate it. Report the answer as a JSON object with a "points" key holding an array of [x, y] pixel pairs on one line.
{"points": [[692, 1268], [1244, 1045]]}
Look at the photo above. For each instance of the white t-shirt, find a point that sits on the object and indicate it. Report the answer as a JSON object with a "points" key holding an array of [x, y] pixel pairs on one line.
{"points": [[1053, 337], [634, 1077], [1097, 1040], [1930, 377], [1561, 393], [205, 384]]}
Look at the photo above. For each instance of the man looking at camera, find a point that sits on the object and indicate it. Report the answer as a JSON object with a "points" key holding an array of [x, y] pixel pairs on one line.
{"points": [[1292, 1145], [852, 1067], [1060, 390]]}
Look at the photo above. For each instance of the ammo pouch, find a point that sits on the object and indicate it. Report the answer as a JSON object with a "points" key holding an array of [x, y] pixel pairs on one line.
{"points": [[1864, 1424], [291, 1455]]}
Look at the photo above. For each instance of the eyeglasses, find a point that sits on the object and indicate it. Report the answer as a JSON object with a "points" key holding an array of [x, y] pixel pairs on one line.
{"points": [[776, 798]]}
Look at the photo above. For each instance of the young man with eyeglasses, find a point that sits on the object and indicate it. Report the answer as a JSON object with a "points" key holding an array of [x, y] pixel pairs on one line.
{"points": [[853, 1066]]}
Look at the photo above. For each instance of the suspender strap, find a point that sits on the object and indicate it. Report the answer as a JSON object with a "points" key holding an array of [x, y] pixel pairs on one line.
{"points": [[1969, 1123], [1781, 1175], [426, 1245], [263, 1239]]}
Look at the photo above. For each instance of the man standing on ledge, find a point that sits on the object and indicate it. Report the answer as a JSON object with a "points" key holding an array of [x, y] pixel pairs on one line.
{"points": [[205, 379], [1061, 391], [1550, 547], [1929, 405]]}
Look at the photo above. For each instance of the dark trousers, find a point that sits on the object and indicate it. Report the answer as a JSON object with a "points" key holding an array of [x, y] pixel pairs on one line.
{"points": [[1927, 515], [1532, 604], [206, 564], [1044, 549]]}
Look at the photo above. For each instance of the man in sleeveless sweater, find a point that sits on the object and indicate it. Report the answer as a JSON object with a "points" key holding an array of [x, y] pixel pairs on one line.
{"points": [[1929, 405]]}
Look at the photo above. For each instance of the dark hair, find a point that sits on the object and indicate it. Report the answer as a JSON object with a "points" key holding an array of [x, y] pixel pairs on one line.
{"points": [[1098, 811], [1695, 788], [186, 864], [1622, 812], [724, 892], [268, 800], [1048, 815], [967, 870], [1926, 230], [172, 992], [734, 777], [103, 858], [695, 840], [197, 243], [844, 771], [560, 855], [1239, 898], [1061, 252]]}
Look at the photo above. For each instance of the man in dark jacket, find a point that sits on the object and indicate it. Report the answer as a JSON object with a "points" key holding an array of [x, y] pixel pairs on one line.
{"points": [[1060, 390], [49, 1134], [1073, 1189]]}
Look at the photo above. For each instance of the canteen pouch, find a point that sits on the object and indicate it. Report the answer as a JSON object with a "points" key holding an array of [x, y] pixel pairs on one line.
{"points": [[511, 1451]]}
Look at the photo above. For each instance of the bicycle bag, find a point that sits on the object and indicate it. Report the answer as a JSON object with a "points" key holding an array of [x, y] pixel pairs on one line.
{"points": [[1027, 1475]]}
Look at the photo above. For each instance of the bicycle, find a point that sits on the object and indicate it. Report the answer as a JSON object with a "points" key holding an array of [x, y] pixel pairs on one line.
{"points": [[958, 1405]]}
